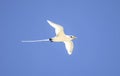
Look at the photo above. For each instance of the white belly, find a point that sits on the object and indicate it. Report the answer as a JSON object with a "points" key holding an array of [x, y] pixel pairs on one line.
{"points": [[61, 39]]}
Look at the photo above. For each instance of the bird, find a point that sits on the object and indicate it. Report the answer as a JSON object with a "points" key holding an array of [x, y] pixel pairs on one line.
{"points": [[59, 37]]}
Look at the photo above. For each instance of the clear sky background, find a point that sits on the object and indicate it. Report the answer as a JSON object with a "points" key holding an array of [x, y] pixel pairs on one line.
{"points": [[95, 23]]}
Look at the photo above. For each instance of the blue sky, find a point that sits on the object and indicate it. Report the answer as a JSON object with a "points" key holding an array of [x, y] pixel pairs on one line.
{"points": [[96, 23]]}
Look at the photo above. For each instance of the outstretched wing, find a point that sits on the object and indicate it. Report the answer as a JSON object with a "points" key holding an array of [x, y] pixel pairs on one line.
{"points": [[59, 30], [69, 46]]}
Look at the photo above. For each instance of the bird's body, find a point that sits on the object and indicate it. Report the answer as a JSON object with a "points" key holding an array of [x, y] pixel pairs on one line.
{"points": [[60, 37]]}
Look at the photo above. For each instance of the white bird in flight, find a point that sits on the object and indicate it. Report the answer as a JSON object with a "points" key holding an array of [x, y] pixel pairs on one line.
{"points": [[60, 37]]}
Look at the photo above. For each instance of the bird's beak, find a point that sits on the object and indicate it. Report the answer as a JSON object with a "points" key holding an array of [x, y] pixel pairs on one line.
{"points": [[75, 37]]}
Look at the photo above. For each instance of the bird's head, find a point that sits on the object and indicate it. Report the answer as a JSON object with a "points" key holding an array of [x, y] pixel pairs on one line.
{"points": [[72, 37]]}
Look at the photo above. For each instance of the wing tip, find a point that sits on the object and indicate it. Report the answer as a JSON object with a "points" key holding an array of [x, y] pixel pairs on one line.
{"points": [[48, 21], [70, 53]]}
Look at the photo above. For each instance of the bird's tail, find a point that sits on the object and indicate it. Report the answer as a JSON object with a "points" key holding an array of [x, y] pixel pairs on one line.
{"points": [[36, 40]]}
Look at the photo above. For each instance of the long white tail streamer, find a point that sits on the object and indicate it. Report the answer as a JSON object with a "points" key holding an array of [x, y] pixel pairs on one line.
{"points": [[36, 40]]}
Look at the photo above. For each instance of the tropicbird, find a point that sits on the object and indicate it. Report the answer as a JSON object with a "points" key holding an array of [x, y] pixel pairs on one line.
{"points": [[60, 37]]}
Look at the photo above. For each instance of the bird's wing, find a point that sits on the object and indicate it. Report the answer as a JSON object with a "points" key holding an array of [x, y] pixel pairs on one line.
{"points": [[59, 30], [69, 46]]}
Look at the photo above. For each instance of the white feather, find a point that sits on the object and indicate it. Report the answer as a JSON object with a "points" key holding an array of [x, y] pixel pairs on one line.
{"points": [[69, 46], [59, 30], [36, 40]]}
